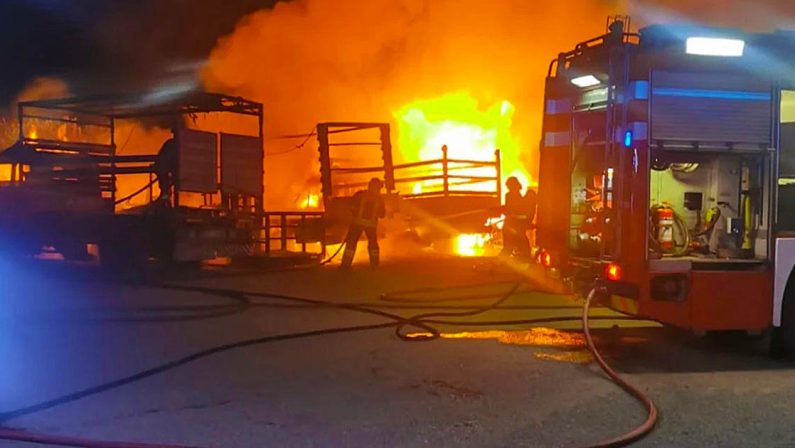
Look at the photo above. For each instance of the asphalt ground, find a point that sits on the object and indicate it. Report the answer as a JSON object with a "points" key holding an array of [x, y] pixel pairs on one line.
{"points": [[62, 330]]}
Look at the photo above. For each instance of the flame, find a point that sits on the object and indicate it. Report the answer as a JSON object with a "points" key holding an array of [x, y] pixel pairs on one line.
{"points": [[33, 133], [311, 201], [470, 132], [5, 172], [471, 244]]}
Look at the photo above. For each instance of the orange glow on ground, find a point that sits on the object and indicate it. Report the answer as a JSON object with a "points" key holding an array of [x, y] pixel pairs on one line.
{"points": [[571, 345]]}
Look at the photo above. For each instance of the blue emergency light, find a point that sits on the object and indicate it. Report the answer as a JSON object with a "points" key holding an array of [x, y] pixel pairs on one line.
{"points": [[628, 139]]}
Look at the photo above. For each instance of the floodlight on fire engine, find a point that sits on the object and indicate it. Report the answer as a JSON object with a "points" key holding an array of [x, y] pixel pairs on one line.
{"points": [[713, 46], [586, 81]]}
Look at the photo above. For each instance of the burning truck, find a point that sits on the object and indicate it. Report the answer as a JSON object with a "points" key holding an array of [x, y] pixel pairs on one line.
{"points": [[65, 171]]}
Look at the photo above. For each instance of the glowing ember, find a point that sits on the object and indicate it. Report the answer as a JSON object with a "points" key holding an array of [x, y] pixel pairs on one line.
{"points": [[471, 244]]}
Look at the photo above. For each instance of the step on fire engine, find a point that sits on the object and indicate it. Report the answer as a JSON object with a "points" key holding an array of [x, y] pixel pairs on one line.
{"points": [[675, 150]]}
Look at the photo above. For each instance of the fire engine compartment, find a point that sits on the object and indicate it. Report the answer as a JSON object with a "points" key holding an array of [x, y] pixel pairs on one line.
{"points": [[715, 204]]}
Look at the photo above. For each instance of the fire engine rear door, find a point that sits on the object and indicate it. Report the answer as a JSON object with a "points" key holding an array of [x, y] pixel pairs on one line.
{"points": [[710, 109]]}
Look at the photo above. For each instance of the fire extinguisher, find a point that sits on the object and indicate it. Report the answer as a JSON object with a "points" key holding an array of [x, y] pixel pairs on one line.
{"points": [[665, 227]]}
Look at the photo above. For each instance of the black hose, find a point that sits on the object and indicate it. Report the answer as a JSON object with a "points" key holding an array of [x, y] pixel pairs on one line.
{"points": [[421, 321]]}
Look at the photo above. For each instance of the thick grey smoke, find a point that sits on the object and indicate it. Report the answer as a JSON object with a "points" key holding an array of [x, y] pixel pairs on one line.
{"points": [[324, 60]]}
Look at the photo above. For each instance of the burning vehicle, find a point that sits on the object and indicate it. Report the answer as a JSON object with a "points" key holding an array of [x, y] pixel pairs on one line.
{"points": [[65, 171]]}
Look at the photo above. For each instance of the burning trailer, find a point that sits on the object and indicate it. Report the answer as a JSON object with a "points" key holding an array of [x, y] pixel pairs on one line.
{"points": [[65, 173], [432, 200]]}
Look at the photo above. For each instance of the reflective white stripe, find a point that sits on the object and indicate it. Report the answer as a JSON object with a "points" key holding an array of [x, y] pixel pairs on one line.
{"points": [[557, 139], [557, 107]]}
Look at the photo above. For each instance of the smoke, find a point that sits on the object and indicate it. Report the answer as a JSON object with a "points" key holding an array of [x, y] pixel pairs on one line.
{"points": [[42, 88], [326, 60], [323, 60], [760, 15]]}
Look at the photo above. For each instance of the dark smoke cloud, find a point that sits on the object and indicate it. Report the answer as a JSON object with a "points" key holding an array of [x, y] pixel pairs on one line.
{"points": [[110, 45]]}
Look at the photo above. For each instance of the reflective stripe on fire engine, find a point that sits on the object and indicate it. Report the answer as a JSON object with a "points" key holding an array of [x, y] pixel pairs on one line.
{"points": [[552, 139], [624, 304], [638, 90], [557, 107]]}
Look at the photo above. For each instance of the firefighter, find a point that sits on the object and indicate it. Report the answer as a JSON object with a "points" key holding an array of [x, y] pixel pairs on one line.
{"points": [[367, 207], [517, 210], [166, 167]]}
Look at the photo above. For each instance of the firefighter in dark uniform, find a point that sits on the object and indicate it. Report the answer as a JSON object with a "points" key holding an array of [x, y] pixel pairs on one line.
{"points": [[165, 167], [367, 207], [517, 210]]}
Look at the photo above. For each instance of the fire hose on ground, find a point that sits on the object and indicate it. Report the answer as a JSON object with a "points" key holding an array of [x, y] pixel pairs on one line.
{"points": [[424, 322]]}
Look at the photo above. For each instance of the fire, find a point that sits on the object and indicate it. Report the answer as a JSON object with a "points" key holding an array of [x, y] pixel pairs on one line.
{"points": [[5, 172], [471, 244], [470, 132], [33, 134], [310, 201]]}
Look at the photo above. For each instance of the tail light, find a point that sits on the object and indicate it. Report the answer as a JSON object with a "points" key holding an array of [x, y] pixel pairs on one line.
{"points": [[613, 272]]}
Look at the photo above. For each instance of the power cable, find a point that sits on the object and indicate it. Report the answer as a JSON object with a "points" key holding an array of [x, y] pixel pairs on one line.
{"points": [[296, 147]]}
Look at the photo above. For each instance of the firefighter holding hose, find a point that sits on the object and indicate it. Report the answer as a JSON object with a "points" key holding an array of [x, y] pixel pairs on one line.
{"points": [[519, 211], [367, 207]]}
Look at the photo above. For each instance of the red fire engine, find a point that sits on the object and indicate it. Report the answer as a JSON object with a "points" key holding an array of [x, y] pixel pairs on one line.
{"points": [[674, 149]]}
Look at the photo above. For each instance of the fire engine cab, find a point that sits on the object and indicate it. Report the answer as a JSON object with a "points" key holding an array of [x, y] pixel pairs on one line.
{"points": [[674, 150]]}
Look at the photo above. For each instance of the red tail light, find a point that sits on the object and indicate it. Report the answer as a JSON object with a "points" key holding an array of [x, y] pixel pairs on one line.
{"points": [[613, 272]]}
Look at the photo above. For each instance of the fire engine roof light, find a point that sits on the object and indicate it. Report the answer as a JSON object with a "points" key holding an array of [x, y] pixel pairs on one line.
{"points": [[586, 81], [713, 46]]}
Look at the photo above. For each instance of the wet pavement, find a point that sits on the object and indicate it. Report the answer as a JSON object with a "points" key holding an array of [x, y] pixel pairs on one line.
{"points": [[479, 385]]}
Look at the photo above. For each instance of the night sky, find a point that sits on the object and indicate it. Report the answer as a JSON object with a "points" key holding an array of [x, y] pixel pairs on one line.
{"points": [[110, 45]]}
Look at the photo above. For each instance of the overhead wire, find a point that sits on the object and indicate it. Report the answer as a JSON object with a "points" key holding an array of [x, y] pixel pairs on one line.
{"points": [[296, 147]]}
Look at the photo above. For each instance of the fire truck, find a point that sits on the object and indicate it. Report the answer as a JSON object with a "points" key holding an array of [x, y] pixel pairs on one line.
{"points": [[60, 192], [673, 149]]}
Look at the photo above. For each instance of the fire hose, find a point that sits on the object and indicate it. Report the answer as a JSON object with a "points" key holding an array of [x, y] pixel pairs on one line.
{"points": [[424, 322]]}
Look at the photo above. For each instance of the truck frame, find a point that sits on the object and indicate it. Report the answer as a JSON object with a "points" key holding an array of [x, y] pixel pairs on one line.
{"points": [[65, 169]]}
